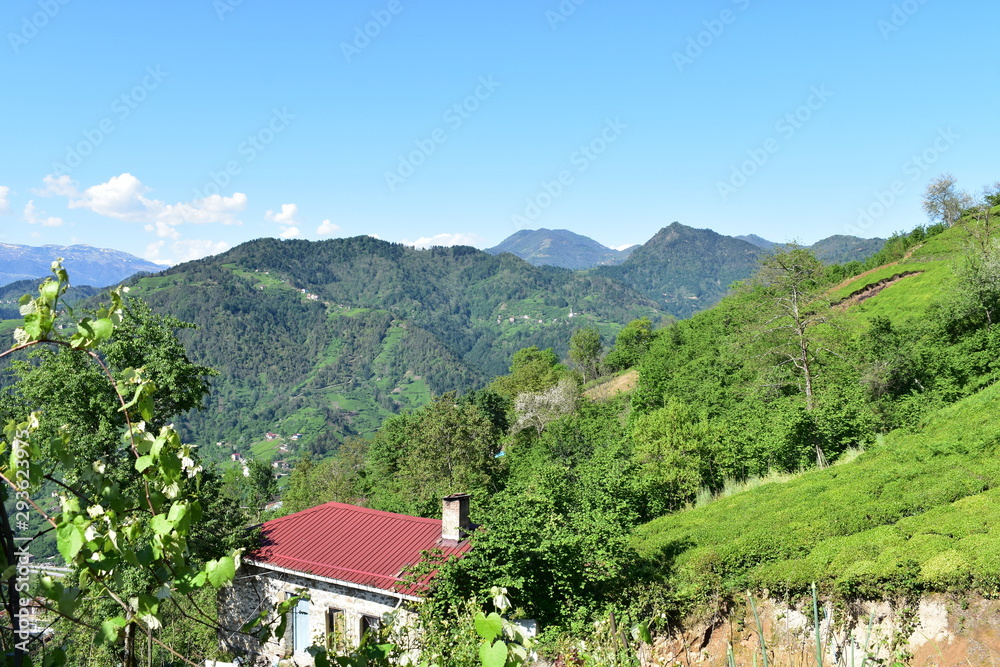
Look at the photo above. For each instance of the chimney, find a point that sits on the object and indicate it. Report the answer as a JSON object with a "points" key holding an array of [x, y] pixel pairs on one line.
{"points": [[455, 517]]}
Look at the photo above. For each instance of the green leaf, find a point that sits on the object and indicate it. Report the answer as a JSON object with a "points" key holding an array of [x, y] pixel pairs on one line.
{"points": [[644, 634], [143, 462], [103, 328], [493, 656], [8, 573], [69, 539], [110, 631], [161, 525], [489, 627], [221, 572]]}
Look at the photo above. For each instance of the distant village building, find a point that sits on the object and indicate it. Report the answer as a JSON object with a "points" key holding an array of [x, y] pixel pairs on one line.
{"points": [[353, 562]]}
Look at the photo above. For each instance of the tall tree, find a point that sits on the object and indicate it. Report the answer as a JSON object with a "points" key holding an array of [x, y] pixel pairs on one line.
{"points": [[943, 201], [790, 282], [632, 342], [443, 448], [585, 351]]}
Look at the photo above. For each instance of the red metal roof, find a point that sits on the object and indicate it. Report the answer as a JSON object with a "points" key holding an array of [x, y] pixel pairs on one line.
{"points": [[353, 544]]}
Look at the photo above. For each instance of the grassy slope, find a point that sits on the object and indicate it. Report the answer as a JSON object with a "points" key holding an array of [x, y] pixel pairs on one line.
{"points": [[921, 508], [919, 511]]}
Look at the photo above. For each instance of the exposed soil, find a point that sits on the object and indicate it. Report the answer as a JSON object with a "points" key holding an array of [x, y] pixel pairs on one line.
{"points": [[848, 281], [868, 291], [611, 388]]}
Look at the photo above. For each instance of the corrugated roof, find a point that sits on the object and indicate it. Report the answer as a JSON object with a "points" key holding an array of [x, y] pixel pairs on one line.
{"points": [[353, 544]]}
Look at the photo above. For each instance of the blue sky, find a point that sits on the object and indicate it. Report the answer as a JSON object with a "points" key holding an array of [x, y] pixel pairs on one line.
{"points": [[177, 129]]}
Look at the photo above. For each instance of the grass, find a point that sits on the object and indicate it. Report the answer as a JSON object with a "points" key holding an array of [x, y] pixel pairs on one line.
{"points": [[919, 512]]}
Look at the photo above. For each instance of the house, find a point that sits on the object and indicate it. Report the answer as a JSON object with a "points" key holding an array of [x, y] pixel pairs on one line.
{"points": [[352, 561]]}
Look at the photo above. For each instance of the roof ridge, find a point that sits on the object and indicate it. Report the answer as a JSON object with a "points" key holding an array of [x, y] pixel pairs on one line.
{"points": [[353, 508]]}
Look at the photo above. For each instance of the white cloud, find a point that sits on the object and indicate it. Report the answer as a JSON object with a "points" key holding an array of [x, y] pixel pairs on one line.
{"points": [[287, 216], [287, 219], [62, 186], [123, 197], [35, 217], [444, 240], [624, 246], [183, 251], [327, 228], [4, 201]]}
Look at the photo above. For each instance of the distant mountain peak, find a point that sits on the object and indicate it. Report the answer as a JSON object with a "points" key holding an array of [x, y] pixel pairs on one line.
{"points": [[87, 265], [757, 241], [559, 247]]}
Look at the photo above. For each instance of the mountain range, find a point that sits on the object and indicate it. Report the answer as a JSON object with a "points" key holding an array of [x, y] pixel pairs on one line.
{"points": [[328, 338], [561, 247], [98, 267]]}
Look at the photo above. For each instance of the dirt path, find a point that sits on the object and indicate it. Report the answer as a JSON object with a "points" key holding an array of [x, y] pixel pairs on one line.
{"points": [[848, 281], [868, 291]]}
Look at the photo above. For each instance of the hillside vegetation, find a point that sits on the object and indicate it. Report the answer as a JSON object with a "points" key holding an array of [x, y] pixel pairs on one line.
{"points": [[329, 338], [821, 424]]}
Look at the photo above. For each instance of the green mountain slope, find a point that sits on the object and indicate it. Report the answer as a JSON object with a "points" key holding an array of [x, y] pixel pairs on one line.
{"points": [[841, 249], [918, 512], [327, 338], [685, 269]]}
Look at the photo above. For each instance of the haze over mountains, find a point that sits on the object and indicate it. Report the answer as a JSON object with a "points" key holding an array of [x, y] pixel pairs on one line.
{"points": [[98, 267], [559, 247]]}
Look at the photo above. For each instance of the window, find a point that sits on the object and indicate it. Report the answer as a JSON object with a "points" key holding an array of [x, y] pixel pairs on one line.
{"points": [[335, 630], [369, 623]]}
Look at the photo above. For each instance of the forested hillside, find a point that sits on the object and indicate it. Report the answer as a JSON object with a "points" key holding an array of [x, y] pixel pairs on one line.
{"points": [[326, 339], [820, 425], [685, 269]]}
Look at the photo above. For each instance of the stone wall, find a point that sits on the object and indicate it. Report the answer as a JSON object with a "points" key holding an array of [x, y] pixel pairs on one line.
{"points": [[256, 588], [939, 630]]}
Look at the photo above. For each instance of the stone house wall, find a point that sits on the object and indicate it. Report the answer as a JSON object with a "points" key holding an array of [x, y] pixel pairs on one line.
{"points": [[256, 588]]}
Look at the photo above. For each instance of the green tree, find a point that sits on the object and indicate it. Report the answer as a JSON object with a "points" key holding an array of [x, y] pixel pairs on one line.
{"points": [[531, 370], [447, 447], [585, 351], [673, 448], [632, 342], [130, 493]]}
